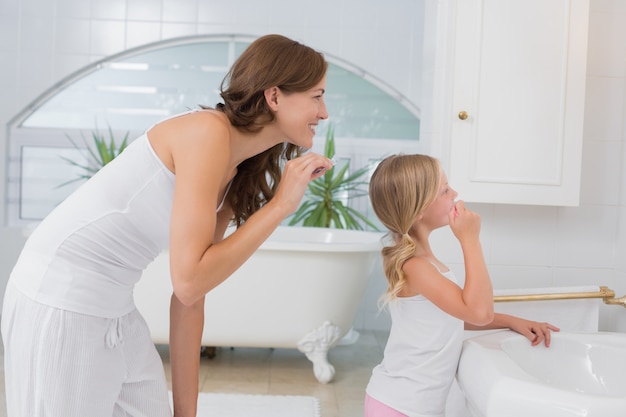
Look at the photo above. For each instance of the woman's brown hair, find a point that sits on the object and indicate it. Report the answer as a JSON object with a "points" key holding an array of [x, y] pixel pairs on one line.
{"points": [[269, 61]]}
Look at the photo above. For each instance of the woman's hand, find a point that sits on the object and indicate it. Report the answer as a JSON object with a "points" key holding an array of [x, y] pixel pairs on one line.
{"points": [[296, 176]]}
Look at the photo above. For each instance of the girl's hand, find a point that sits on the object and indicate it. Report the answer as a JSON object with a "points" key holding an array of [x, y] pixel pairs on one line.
{"points": [[534, 331], [296, 176], [464, 222]]}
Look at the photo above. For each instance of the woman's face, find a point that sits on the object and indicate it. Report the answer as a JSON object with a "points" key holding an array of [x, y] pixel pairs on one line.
{"points": [[436, 214], [297, 114]]}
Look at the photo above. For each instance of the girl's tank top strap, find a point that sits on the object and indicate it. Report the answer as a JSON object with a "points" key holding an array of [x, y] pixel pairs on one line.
{"points": [[438, 269]]}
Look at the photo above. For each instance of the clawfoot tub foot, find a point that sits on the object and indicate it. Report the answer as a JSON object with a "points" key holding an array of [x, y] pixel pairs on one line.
{"points": [[315, 346], [208, 352]]}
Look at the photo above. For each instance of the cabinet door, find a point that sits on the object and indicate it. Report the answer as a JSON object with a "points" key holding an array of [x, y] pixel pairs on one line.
{"points": [[518, 100]]}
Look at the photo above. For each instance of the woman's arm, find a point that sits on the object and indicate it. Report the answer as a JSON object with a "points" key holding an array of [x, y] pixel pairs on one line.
{"points": [[202, 156], [186, 326], [197, 147], [534, 331]]}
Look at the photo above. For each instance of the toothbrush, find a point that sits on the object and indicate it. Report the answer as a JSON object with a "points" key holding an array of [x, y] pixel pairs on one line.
{"points": [[320, 169]]}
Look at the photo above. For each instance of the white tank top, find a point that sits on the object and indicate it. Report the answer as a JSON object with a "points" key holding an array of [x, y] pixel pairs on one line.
{"points": [[420, 359], [89, 252]]}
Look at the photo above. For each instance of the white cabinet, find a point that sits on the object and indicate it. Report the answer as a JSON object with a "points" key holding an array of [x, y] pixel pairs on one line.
{"points": [[518, 100]]}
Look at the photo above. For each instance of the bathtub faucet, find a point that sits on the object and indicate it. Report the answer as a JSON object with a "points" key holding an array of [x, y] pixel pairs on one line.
{"points": [[611, 300]]}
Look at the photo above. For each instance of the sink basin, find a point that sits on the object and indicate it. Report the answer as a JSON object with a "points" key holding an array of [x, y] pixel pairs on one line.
{"points": [[580, 374]]}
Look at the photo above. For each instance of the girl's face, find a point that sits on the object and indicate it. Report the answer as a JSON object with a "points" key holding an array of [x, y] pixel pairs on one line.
{"points": [[297, 114], [436, 214]]}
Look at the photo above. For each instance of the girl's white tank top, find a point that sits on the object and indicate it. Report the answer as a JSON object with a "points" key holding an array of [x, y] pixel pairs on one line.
{"points": [[421, 357]]}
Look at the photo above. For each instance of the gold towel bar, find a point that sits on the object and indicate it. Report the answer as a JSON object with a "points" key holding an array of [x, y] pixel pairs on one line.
{"points": [[607, 295]]}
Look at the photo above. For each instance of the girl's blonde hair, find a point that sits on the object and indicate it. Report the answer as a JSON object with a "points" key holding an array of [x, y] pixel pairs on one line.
{"points": [[401, 187]]}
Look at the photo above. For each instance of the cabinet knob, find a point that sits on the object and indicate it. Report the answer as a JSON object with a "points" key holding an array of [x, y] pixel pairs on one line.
{"points": [[463, 115]]}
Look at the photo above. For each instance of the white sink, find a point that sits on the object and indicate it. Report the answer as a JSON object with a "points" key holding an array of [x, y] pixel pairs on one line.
{"points": [[580, 374]]}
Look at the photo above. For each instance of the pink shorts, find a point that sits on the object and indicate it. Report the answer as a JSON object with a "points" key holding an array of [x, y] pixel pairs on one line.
{"points": [[374, 408]]}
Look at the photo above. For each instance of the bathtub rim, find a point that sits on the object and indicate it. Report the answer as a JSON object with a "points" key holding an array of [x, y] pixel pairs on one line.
{"points": [[324, 240]]}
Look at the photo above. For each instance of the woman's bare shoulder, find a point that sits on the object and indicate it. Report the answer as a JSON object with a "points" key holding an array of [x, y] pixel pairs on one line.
{"points": [[189, 136], [201, 119]]}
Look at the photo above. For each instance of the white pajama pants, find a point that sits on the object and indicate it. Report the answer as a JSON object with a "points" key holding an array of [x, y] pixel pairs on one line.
{"points": [[59, 363]]}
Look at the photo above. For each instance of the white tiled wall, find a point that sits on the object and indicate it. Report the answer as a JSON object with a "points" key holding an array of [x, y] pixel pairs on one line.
{"points": [[45, 40], [42, 41]]}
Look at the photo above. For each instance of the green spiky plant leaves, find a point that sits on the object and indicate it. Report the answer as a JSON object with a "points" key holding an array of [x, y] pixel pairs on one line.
{"points": [[103, 151], [322, 205]]}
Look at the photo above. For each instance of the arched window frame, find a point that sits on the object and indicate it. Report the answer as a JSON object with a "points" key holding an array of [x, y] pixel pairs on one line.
{"points": [[43, 148]]}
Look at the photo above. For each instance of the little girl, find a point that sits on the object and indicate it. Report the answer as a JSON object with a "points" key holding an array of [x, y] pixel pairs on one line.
{"points": [[429, 310]]}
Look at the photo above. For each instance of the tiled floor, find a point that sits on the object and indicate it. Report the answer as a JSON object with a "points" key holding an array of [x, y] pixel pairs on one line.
{"points": [[289, 372]]}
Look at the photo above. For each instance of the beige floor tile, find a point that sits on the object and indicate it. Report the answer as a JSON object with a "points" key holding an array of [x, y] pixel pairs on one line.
{"points": [[286, 372]]}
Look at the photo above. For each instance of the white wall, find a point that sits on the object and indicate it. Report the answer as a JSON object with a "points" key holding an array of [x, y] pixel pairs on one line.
{"points": [[42, 41]]}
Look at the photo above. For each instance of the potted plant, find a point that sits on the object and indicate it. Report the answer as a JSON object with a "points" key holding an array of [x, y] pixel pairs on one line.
{"points": [[323, 204], [103, 151]]}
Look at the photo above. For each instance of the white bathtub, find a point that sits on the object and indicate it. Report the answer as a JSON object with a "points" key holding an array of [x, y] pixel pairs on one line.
{"points": [[580, 374], [301, 289]]}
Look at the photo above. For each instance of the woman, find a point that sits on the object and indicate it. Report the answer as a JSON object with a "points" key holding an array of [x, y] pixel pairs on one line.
{"points": [[74, 343], [411, 196]]}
